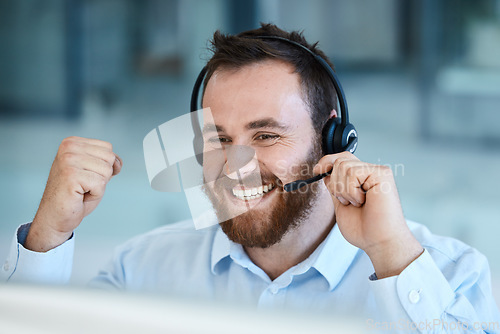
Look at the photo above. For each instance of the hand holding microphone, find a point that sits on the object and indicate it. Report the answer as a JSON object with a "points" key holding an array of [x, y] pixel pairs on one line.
{"points": [[368, 211]]}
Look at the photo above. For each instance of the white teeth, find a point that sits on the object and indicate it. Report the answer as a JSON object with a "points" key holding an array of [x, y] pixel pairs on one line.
{"points": [[252, 193], [238, 193]]}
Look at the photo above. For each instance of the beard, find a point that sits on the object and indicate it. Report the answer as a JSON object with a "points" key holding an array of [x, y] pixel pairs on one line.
{"points": [[263, 228]]}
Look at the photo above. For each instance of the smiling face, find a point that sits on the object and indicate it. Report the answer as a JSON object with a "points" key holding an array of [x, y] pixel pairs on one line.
{"points": [[264, 126]]}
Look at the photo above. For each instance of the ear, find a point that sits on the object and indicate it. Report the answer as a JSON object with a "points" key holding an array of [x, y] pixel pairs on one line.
{"points": [[333, 114]]}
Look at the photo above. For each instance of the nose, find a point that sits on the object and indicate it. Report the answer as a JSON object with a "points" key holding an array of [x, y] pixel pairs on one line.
{"points": [[240, 159]]}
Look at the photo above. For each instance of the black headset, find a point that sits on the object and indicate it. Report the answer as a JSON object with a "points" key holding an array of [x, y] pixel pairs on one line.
{"points": [[338, 135]]}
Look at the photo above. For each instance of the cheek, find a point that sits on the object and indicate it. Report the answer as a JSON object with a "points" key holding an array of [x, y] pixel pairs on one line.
{"points": [[287, 165], [213, 163]]}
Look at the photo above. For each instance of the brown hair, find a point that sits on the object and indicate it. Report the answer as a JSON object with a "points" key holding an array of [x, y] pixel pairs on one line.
{"points": [[236, 51]]}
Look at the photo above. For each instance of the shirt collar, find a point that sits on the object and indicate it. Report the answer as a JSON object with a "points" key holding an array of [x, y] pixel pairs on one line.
{"points": [[220, 248], [224, 248], [331, 259]]}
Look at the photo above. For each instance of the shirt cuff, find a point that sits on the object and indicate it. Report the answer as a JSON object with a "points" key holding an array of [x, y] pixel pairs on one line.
{"points": [[24, 265], [420, 293]]}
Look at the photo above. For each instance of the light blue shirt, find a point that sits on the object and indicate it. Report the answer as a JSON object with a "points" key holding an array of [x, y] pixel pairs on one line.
{"points": [[448, 285]]}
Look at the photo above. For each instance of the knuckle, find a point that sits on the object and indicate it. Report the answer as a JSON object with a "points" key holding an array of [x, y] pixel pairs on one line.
{"points": [[67, 158], [71, 139], [68, 144], [110, 157], [346, 154], [68, 140], [341, 165], [386, 170], [107, 144], [324, 161], [65, 144], [108, 172]]}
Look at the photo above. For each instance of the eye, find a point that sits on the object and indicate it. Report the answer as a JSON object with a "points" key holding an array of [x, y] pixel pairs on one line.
{"points": [[267, 138], [218, 140]]}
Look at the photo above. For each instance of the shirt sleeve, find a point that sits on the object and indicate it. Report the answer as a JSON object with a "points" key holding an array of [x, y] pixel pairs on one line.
{"points": [[451, 295], [23, 265]]}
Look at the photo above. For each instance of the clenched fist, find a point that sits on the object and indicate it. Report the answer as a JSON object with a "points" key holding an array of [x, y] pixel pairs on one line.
{"points": [[77, 180]]}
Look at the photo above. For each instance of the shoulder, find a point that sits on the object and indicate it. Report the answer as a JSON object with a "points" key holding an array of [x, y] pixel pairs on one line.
{"points": [[179, 239], [164, 259]]}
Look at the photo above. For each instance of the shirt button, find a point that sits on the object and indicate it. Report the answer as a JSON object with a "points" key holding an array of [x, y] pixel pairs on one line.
{"points": [[273, 290], [6, 266], [414, 296]]}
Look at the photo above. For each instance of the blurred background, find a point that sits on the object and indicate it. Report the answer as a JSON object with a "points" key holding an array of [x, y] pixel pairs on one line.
{"points": [[422, 79]]}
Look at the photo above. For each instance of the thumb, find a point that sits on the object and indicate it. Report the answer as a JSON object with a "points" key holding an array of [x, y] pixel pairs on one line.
{"points": [[117, 165]]}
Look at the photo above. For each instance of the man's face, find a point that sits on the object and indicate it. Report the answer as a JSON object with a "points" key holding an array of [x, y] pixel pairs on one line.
{"points": [[260, 119]]}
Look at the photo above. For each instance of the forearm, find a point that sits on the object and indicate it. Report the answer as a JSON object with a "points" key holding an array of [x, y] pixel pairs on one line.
{"points": [[391, 258]]}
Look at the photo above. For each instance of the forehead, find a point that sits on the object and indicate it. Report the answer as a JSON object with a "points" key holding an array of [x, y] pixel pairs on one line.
{"points": [[260, 90]]}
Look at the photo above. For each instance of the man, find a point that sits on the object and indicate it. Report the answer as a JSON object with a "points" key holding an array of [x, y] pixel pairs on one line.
{"points": [[343, 244]]}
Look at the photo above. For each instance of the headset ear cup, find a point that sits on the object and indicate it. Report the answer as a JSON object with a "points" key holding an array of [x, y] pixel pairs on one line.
{"points": [[328, 135], [349, 134], [343, 136]]}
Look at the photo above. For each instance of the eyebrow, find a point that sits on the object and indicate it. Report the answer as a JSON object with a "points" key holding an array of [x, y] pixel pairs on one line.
{"points": [[266, 123], [258, 124], [210, 127]]}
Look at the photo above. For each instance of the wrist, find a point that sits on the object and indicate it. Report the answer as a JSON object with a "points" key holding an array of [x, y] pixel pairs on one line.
{"points": [[42, 238], [391, 258]]}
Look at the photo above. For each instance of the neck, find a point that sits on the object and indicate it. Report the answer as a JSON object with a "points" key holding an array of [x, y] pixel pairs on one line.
{"points": [[297, 244]]}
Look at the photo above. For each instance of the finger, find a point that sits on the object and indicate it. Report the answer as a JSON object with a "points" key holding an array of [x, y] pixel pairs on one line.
{"points": [[90, 184], [107, 155], [97, 166], [346, 188], [91, 141], [93, 147], [337, 182], [89, 163], [381, 177], [327, 162], [117, 165], [355, 193], [336, 189], [336, 204], [100, 152], [352, 175], [342, 200]]}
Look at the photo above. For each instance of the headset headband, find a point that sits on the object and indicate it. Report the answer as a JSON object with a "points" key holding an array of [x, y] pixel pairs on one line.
{"points": [[336, 84]]}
